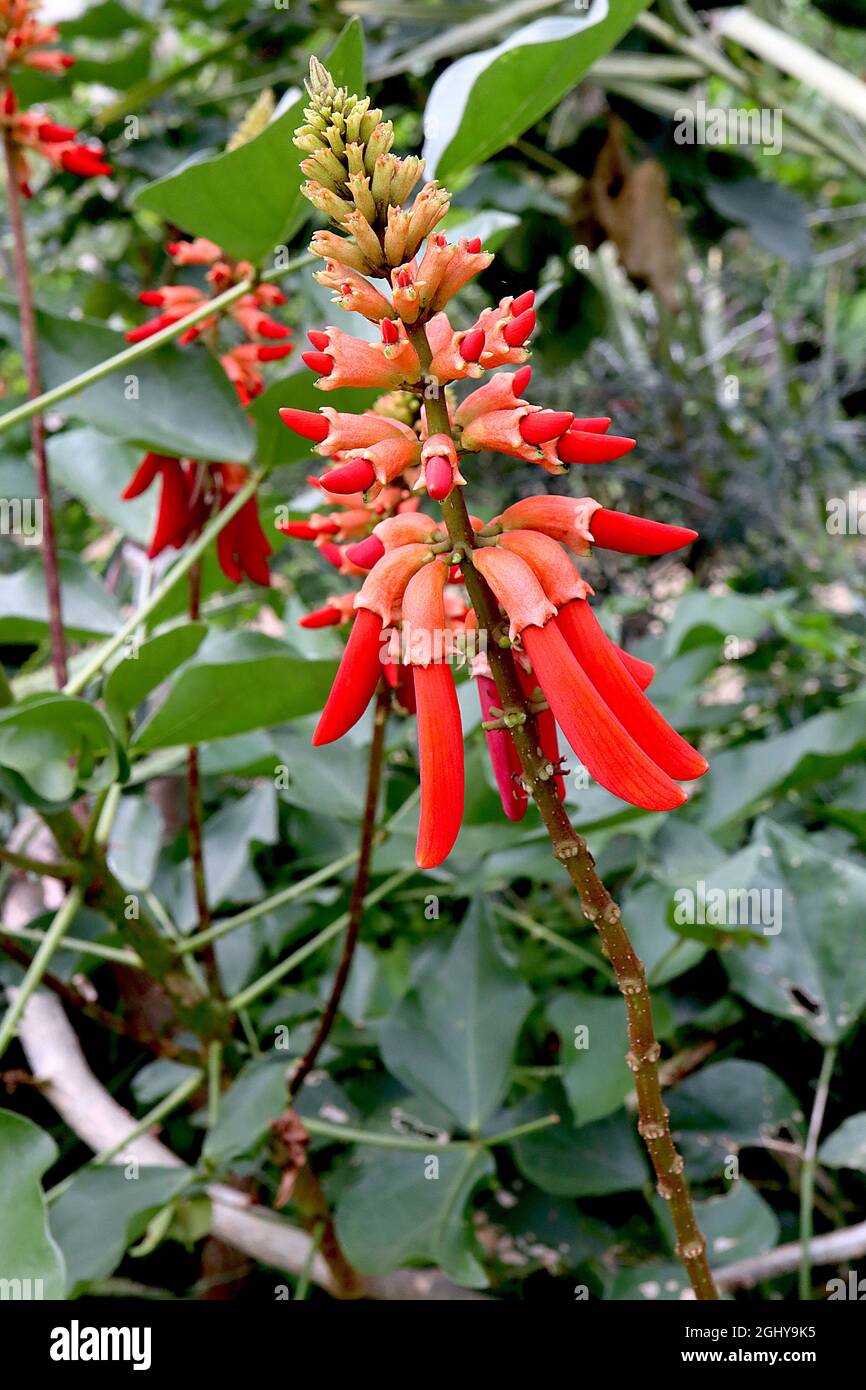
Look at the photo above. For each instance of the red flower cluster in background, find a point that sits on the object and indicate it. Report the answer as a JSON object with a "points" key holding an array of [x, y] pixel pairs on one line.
{"points": [[25, 42], [191, 490]]}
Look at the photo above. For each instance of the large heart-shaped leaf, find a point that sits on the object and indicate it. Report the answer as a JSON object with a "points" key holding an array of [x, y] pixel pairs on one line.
{"points": [[725, 1106], [247, 200], [814, 970], [452, 1038], [31, 1265], [484, 101], [104, 1211], [411, 1207]]}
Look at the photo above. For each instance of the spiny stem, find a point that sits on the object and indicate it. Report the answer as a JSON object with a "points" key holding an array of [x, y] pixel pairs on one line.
{"points": [[359, 892], [598, 906], [30, 353]]}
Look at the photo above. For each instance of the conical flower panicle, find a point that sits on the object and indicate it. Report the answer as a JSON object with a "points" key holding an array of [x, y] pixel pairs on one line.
{"points": [[356, 180]]}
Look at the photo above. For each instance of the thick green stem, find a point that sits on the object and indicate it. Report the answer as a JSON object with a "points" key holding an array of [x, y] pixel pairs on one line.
{"points": [[598, 906]]}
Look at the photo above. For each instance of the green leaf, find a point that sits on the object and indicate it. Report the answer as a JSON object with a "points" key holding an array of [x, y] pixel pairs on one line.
{"points": [[591, 1161], [256, 1097], [774, 215], [104, 1211], [452, 1038], [55, 748], [27, 1251], [742, 778], [484, 101], [412, 1207], [724, 1107], [235, 682], [846, 1147], [87, 606], [248, 200], [228, 837], [136, 836], [96, 468], [144, 667], [814, 970], [172, 401], [595, 1076]]}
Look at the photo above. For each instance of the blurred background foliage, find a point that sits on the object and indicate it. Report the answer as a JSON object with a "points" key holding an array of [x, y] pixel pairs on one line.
{"points": [[711, 298]]}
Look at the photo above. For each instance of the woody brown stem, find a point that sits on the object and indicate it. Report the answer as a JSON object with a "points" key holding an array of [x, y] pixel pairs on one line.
{"points": [[597, 904], [359, 892], [30, 353]]}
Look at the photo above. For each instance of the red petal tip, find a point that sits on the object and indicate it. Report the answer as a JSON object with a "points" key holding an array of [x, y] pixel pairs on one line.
{"points": [[544, 425], [307, 423], [518, 329], [318, 362]]}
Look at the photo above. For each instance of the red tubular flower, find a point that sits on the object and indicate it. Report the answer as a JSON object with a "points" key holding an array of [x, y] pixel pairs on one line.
{"points": [[329, 616], [449, 362], [606, 749], [440, 733], [636, 535], [199, 251], [504, 758], [242, 546], [582, 632], [349, 361], [440, 758], [502, 392], [565, 519], [585, 446], [365, 554], [549, 563], [173, 514], [353, 292], [355, 681], [642, 672], [440, 467], [84, 161]]}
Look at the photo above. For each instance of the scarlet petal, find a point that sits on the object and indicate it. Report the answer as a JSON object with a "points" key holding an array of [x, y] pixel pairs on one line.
{"points": [[543, 425], [365, 553], [591, 424], [472, 345], [473, 246], [355, 681], [589, 643], [298, 530], [585, 446], [504, 758], [522, 303], [53, 134], [307, 423], [521, 380], [274, 352], [318, 362], [332, 553], [390, 331], [518, 329], [640, 671], [151, 297], [329, 616], [439, 478], [607, 751], [354, 476], [636, 535], [319, 340], [440, 757]]}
